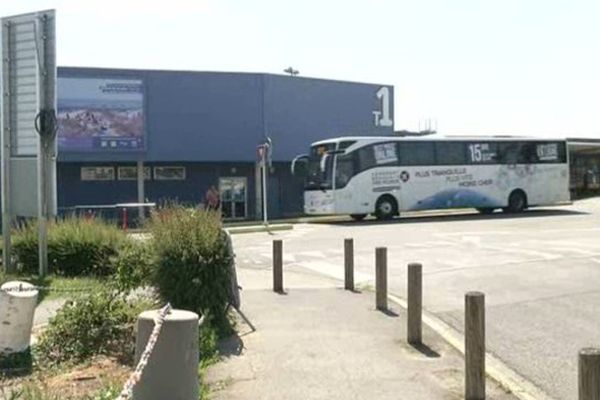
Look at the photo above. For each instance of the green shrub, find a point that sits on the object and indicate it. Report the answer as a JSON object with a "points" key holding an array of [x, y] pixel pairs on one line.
{"points": [[76, 246], [101, 323], [192, 262], [25, 247], [133, 265]]}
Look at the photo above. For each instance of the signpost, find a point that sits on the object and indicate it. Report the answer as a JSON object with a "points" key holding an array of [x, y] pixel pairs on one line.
{"points": [[28, 122]]}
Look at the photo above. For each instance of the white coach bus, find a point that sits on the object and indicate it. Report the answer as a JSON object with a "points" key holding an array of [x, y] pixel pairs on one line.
{"points": [[384, 176]]}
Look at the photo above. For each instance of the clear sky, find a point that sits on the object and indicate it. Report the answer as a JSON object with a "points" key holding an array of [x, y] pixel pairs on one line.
{"points": [[474, 66]]}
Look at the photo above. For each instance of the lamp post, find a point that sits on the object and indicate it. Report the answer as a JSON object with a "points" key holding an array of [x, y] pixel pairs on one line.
{"points": [[291, 71], [265, 156]]}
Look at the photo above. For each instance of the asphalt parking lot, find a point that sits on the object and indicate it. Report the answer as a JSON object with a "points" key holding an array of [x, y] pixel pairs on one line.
{"points": [[540, 272]]}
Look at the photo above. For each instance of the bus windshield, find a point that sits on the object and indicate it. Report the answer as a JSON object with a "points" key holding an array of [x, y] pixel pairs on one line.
{"points": [[320, 168]]}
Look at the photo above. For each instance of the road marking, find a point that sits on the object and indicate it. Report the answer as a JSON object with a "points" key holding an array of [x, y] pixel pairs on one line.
{"points": [[335, 271]]}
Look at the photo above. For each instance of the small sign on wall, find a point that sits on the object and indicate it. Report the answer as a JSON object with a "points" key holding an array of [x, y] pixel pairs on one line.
{"points": [[169, 173], [97, 174], [130, 173]]}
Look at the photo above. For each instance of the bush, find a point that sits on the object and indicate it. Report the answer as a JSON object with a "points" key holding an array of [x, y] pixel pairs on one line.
{"points": [[97, 324], [192, 262], [76, 246], [133, 265]]}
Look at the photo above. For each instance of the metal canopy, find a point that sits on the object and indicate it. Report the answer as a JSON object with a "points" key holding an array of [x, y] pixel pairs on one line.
{"points": [[584, 146]]}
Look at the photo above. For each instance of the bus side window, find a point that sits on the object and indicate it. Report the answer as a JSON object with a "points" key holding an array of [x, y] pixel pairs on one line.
{"points": [[508, 152], [482, 152], [417, 153], [551, 152], [377, 155], [345, 170], [450, 153], [527, 153], [366, 158]]}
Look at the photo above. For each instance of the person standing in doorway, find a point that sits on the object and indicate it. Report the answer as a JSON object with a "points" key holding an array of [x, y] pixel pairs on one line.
{"points": [[212, 198]]}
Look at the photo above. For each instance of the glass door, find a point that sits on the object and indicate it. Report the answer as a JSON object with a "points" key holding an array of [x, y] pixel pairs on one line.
{"points": [[233, 197]]}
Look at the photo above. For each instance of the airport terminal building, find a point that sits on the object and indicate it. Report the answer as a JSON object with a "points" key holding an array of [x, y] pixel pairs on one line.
{"points": [[194, 130], [189, 131]]}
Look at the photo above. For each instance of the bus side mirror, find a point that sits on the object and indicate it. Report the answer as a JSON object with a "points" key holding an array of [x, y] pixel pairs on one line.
{"points": [[299, 166]]}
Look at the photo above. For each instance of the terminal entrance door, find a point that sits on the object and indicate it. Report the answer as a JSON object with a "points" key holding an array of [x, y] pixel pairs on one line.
{"points": [[234, 199]]}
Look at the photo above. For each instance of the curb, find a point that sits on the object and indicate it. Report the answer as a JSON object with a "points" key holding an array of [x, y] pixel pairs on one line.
{"points": [[496, 369], [260, 228]]}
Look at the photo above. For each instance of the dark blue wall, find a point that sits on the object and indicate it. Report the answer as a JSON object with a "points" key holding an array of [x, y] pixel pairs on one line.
{"points": [[299, 111], [213, 116], [189, 116]]}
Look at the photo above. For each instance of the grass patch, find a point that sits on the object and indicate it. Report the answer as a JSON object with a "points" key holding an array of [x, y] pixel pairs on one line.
{"points": [[60, 287]]}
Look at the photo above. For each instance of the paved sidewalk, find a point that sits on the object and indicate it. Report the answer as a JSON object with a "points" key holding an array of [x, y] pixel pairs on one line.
{"points": [[320, 342]]}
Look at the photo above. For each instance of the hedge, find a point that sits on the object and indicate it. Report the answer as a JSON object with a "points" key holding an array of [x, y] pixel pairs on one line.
{"points": [[192, 264], [76, 246]]}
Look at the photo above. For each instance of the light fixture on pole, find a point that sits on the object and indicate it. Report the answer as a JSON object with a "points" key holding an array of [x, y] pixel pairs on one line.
{"points": [[291, 71]]}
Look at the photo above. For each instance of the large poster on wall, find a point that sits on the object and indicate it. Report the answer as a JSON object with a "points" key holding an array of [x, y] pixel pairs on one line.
{"points": [[96, 114]]}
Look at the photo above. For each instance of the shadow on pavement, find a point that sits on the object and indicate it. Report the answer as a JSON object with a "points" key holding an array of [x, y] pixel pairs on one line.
{"points": [[426, 350], [475, 216], [390, 313], [231, 346]]}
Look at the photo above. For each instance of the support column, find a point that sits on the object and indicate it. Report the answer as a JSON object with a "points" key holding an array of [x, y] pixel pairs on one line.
{"points": [[140, 188]]}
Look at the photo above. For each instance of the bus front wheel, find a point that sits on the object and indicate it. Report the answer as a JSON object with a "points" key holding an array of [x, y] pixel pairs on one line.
{"points": [[386, 208], [358, 217]]}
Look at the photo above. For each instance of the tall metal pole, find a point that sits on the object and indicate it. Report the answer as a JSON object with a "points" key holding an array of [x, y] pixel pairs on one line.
{"points": [[47, 141], [140, 189], [5, 123], [42, 144], [264, 185]]}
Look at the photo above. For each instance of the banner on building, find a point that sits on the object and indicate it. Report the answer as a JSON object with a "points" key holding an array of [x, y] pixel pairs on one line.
{"points": [[97, 114]]}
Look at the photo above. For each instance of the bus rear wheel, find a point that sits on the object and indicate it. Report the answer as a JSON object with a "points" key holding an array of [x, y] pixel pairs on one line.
{"points": [[386, 208], [517, 202], [358, 217]]}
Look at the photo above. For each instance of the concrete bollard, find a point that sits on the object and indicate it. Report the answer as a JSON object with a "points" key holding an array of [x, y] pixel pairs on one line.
{"points": [[415, 303], [381, 278], [589, 374], [349, 264], [16, 316], [278, 266], [172, 370], [474, 346]]}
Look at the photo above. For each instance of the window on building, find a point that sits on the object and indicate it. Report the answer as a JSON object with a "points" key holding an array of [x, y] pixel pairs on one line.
{"points": [[130, 173], [169, 173], [97, 173], [417, 153]]}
